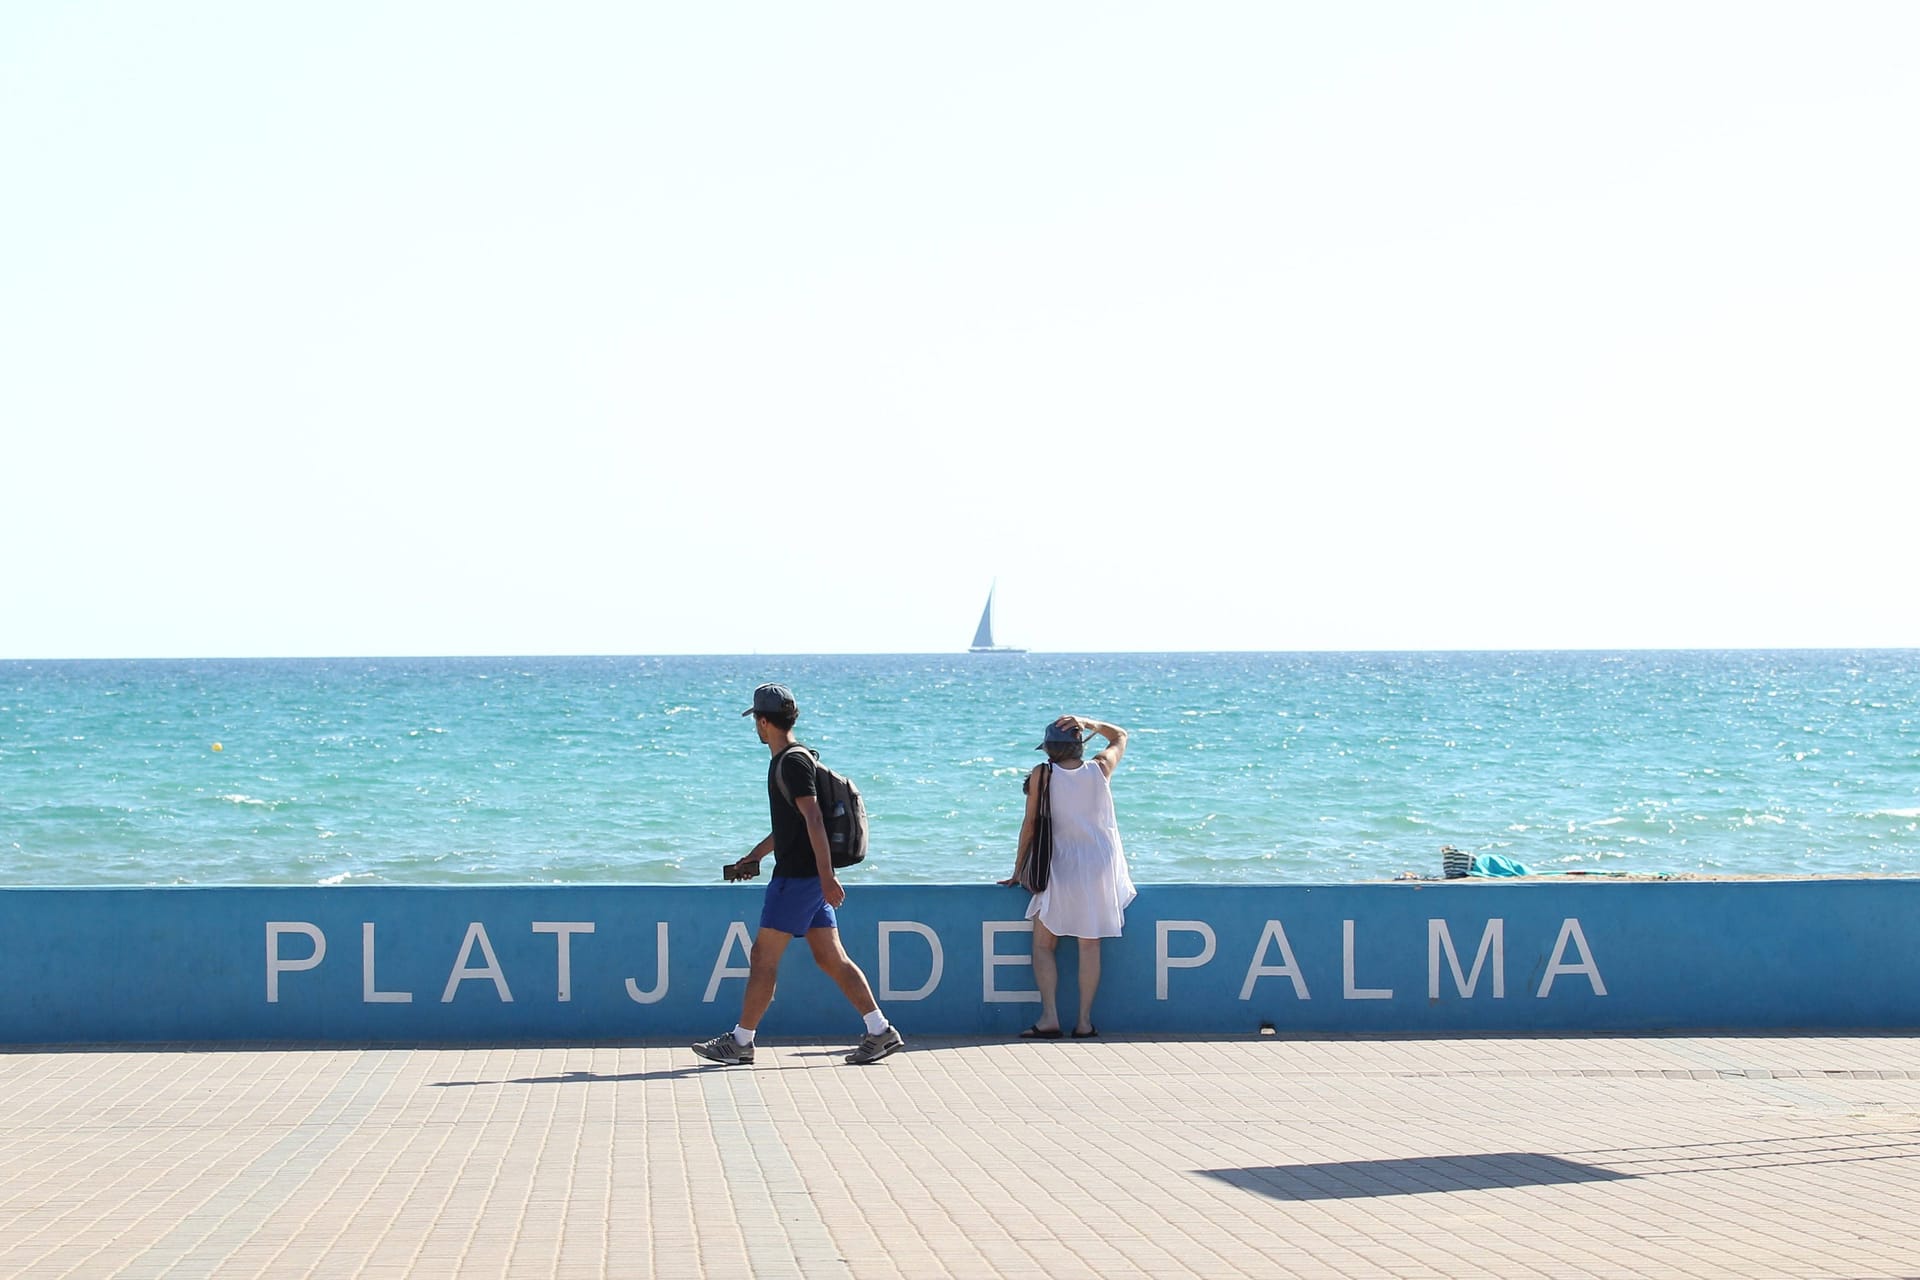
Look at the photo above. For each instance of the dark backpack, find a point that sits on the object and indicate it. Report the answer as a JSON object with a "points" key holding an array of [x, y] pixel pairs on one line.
{"points": [[842, 810]]}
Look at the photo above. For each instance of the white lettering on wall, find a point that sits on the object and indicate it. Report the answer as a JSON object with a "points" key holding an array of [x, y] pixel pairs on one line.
{"points": [[990, 931], [887, 929], [563, 931], [1163, 961], [736, 936], [659, 991], [1492, 942], [278, 964], [1273, 956], [1287, 968], [1351, 990], [476, 933], [1570, 932], [370, 992]]}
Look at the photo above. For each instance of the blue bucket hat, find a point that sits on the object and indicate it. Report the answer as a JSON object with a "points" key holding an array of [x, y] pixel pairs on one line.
{"points": [[1061, 733]]}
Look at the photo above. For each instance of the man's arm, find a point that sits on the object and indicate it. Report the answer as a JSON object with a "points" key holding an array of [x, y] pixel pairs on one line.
{"points": [[809, 807], [756, 854]]}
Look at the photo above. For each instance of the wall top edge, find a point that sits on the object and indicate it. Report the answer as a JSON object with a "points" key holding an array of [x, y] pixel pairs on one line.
{"points": [[1480, 882]]}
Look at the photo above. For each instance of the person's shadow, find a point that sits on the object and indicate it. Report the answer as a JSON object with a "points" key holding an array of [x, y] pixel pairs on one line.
{"points": [[581, 1077]]}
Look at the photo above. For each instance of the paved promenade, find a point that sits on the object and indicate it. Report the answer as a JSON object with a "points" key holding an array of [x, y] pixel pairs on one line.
{"points": [[1525, 1156]]}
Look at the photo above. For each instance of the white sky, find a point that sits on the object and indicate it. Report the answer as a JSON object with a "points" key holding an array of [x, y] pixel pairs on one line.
{"points": [[387, 328]]}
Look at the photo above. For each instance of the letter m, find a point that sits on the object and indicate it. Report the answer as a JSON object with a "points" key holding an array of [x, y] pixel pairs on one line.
{"points": [[1492, 940]]}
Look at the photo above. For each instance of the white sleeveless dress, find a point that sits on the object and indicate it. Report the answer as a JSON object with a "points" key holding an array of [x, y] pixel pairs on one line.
{"points": [[1089, 890]]}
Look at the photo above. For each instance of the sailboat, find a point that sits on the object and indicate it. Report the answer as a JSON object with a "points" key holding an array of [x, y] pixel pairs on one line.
{"points": [[983, 634]]}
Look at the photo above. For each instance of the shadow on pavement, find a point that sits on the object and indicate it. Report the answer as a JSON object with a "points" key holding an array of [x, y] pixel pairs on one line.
{"points": [[585, 1077], [1419, 1175]]}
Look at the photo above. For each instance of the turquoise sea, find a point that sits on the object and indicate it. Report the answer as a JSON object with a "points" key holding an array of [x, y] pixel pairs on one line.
{"points": [[1243, 768]]}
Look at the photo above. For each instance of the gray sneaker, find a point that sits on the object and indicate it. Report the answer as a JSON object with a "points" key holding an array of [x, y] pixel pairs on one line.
{"points": [[874, 1048], [726, 1051]]}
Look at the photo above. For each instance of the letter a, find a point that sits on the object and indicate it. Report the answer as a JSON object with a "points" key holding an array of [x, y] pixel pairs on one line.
{"points": [[476, 932], [1287, 968], [736, 936], [1570, 932]]}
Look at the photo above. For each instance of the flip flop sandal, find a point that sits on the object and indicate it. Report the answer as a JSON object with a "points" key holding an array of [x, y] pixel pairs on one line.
{"points": [[1035, 1033], [1088, 1034]]}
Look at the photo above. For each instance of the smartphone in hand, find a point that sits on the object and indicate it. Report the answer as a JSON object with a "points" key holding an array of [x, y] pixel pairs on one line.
{"points": [[740, 871]]}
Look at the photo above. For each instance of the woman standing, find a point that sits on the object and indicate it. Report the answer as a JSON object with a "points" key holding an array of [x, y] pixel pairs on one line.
{"points": [[1088, 888]]}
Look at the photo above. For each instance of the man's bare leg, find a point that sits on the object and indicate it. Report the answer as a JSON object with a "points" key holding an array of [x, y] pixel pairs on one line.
{"points": [[763, 971], [838, 965]]}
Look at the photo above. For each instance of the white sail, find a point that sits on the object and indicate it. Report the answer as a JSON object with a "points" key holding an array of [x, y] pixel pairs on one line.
{"points": [[983, 634], [983, 641]]}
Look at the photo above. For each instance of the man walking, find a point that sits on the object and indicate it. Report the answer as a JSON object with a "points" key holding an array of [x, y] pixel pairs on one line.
{"points": [[801, 894]]}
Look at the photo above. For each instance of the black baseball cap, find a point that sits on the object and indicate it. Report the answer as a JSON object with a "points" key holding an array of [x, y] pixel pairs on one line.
{"points": [[772, 700]]}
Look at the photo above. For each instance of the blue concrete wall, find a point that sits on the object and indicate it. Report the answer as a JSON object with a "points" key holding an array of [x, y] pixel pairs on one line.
{"points": [[485, 963]]}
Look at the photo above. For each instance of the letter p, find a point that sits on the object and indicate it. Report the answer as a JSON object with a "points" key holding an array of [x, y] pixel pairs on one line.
{"points": [[277, 964], [1163, 962]]}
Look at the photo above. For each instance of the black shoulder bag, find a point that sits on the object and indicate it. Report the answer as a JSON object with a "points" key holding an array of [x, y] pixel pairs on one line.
{"points": [[1037, 872]]}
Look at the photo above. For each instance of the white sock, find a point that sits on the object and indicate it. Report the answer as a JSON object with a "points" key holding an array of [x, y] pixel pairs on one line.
{"points": [[876, 1023], [742, 1036]]}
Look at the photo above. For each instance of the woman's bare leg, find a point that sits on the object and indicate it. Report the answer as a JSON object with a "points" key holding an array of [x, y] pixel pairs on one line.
{"points": [[1089, 981], [1046, 976]]}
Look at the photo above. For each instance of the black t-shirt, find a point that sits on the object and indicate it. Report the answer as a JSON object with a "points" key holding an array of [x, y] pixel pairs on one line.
{"points": [[792, 846]]}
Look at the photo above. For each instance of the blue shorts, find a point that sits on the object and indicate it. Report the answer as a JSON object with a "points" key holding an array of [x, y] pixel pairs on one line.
{"points": [[796, 904]]}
